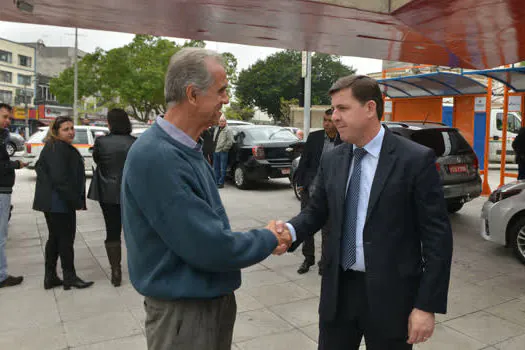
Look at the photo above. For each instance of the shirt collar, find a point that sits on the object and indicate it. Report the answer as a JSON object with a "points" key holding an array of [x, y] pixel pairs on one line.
{"points": [[177, 134], [374, 147]]}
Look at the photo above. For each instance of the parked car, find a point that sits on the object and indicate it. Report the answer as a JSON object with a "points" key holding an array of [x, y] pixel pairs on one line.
{"points": [[456, 163], [233, 122], [503, 217], [84, 139], [261, 152], [15, 144]]}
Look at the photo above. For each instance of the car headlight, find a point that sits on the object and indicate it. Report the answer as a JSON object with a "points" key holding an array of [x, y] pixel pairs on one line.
{"points": [[499, 194]]}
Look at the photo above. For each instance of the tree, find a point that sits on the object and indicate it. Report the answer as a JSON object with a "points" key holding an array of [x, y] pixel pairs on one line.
{"points": [[131, 76], [279, 76], [88, 74], [237, 112]]}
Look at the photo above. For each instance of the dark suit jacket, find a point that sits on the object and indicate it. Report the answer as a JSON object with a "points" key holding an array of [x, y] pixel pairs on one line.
{"points": [[407, 235], [310, 158], [109, 153]]}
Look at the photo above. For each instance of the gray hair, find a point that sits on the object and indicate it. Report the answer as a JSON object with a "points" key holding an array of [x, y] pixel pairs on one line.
{"points": [[188, 67]]}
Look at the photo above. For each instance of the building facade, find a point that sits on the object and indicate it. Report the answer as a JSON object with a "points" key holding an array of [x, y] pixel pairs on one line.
{"points": [[17, 74]]}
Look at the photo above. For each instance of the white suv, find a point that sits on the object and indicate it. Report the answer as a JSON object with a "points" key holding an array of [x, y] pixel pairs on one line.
{"points": [[84, 139], [503, 217]]}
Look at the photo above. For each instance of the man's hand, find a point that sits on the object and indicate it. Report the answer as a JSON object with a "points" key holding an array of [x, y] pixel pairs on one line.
{"points": [[420, 326], [22, 165], [283, 236]]}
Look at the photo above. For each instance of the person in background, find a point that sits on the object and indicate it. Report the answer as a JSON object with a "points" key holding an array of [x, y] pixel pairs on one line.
{"points": [[182, 253], [208, 144], [518, 145], [59, 192], [7, 181], [318, 143], [300, 134], [109, 153], [223, 141]]}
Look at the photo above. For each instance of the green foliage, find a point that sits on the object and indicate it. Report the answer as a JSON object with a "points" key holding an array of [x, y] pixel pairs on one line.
{"points": [[131, 76], [278, 78], [237, 112]]}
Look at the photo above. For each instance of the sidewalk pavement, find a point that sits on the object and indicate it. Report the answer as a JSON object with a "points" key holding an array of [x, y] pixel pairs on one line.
{"points": [[277, 308]]}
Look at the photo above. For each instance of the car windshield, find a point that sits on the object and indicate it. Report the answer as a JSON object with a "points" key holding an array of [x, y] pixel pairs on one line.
{"points": [[265, 134], [443, 142]]}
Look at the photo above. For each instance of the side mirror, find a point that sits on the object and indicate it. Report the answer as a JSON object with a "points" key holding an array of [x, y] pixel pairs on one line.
{"points": [[496, 137]]}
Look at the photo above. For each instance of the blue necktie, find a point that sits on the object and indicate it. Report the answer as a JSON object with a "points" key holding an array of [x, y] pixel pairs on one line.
{"points": [[348, 243]]}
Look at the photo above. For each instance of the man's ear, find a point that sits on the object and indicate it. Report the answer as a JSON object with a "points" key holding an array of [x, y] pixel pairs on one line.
{"points": [[371, 107], [191, 94]]}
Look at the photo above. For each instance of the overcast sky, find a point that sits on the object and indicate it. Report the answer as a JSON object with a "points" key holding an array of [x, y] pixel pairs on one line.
{"points": [[91, 39]]}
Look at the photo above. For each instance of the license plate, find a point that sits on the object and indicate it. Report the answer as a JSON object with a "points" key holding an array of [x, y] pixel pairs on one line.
{"points": [[457, 169], [285, 171]]}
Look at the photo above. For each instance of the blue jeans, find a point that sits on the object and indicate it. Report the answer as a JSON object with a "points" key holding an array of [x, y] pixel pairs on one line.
{"points": [[220, 163], [5, 207]]}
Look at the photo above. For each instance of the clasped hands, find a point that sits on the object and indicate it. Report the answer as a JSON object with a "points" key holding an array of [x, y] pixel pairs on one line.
{"points": [[281, 232]]}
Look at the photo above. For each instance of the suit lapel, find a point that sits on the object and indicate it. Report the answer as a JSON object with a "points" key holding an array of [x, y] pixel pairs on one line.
{"points": [[387, 159]]}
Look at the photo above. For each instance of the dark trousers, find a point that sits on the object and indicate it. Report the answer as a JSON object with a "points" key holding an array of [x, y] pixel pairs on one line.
{"points": [[352, 320], [62, 228], [113, 220], [220, 164], [309, 243], [190, 324], [521, 170]]}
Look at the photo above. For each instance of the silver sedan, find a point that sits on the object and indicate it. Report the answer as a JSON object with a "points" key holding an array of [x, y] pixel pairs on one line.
{"points": [[14, 144], [504, 218]]}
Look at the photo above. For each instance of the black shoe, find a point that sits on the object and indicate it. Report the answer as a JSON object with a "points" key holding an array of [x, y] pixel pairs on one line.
{"points": [[115, 256], [220, 186], [305, 267], [77, 283], [52, 281], [11, 281], [320, 265]]}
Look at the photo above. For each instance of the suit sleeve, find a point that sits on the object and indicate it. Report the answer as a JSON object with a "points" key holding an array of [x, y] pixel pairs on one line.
{"points": [[314, 216], [433, 226]]}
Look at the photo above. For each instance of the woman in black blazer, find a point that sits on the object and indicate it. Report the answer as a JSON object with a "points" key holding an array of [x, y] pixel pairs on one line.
{"points": [[109, 153], [59, 192]]}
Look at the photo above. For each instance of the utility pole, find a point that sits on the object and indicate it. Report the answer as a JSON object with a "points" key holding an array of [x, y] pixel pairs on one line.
{"points": [[75, 102], [307, 73], [26, 111]]}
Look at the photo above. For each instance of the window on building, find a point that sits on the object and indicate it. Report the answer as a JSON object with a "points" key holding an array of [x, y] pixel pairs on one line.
{"points": [[6, 97], [6, 56], [24, 61], [23, 96], [24, 79], [6, 77]]}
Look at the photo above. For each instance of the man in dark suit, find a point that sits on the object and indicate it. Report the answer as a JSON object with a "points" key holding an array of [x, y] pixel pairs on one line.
{"points": [[318, 143], [389, 247]]}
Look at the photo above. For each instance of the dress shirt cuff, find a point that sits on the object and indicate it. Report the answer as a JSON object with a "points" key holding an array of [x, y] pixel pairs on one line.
{"points": [[292, 232]]}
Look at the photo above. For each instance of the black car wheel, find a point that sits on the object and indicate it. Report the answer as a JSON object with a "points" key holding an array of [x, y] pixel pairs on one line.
{"points": [[516, 239], [11, 149], [454, 207], [239, 177]]}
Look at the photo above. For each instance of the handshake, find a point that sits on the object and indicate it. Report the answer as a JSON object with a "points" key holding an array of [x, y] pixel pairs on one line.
{"points": [[281, 232]]}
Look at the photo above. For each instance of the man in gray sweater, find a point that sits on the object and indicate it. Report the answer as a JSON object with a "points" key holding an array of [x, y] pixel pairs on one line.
{"points": [[223, 139]]}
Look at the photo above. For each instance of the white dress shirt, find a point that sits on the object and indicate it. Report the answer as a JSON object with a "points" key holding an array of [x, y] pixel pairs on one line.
{"points": [[368, 171]]}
